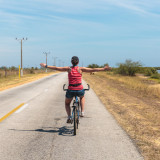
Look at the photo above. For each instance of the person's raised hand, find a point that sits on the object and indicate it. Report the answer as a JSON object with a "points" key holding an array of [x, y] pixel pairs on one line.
{"points": [[42, 64], [107, 68]]}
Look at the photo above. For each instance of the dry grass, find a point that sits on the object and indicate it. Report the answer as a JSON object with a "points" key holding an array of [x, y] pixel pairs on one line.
{"points": [[133, 106], [143, 85], [13, 81]]}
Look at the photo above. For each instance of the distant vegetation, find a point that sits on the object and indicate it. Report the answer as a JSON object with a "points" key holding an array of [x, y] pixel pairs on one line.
{"points": [[130, 68], [96, 65], [14, 71]]}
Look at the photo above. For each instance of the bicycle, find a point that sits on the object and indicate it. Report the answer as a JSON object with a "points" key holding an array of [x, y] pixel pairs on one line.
{"points": [[76, 110]]}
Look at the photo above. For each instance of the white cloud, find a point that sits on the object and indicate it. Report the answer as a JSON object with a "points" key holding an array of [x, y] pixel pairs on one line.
{"points": [[144, 7]]}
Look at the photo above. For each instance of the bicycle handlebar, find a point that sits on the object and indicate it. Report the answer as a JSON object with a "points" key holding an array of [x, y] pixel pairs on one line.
{"points": [[88, 88], [84, 89], [64, 87]]}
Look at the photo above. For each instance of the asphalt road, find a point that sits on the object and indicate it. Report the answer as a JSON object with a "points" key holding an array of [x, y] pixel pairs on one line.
{"points": [[38, 130]]}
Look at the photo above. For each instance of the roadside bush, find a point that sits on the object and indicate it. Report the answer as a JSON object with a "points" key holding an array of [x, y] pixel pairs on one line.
{"points": [[97, 66], [155, 76], [13, 68], [31, 71], [149, 71], [93, 66], [128, 68]]}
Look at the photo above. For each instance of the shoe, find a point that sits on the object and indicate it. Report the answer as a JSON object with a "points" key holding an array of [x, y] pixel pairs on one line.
{"points": [[69, 120], [82, 114]]}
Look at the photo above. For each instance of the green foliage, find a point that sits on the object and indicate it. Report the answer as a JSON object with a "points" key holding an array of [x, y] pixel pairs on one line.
{"points": [[97, 66], [3, 68], [149, 71], [129, 68], [31, 71], [157, 68], [93, 66], [155, 76], [13, 68]]}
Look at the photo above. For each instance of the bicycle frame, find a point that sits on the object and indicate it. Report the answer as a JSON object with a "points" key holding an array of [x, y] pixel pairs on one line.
{"points": [[76, 104], [75, 112]]}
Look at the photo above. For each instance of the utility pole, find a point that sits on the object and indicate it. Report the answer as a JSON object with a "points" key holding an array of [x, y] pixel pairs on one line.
{"points": [[21, 40], [46, 57]]}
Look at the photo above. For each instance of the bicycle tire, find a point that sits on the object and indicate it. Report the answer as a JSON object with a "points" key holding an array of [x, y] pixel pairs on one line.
{"points": [[75, 120]]}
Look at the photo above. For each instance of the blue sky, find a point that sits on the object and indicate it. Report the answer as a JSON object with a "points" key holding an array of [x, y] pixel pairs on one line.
{"points": [[98, 31]]}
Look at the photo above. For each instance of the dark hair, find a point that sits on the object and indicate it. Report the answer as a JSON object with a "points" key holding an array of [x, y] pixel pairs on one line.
{"points": [[75, 60]]}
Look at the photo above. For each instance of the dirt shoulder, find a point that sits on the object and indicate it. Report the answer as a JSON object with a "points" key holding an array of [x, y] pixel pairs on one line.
{"points": [[136, 112], [13, 81]]}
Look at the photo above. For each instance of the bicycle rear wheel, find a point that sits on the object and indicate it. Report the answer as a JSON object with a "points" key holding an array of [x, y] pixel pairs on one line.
{"points": [[75, 120]]}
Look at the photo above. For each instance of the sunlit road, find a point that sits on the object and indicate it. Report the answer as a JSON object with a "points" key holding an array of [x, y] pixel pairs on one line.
{"points": [[38, 130]]}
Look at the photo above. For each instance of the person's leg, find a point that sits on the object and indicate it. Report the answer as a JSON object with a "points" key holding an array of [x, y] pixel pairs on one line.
{"points": [[67, 106], [82, 102]]}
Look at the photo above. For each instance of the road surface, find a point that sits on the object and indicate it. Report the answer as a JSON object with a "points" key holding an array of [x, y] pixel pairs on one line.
{"points": [[38, 129]]}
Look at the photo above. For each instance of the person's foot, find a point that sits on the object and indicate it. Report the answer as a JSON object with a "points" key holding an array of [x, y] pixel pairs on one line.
{"points": [[82, 114], [69, 119]]}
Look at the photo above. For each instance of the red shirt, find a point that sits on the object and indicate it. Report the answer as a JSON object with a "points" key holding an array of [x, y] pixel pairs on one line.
{"points": [[75, 77]]}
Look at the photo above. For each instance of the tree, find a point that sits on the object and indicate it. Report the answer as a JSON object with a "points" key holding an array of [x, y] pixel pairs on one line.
{"points": [[93, 66], [128, 68]]}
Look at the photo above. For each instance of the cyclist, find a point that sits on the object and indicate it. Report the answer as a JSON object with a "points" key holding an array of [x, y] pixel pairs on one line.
{"points": [[75, 82]]}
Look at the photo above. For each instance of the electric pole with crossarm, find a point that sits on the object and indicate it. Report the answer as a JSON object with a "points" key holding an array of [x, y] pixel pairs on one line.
{"points": [[21, 40], [46, 53]]}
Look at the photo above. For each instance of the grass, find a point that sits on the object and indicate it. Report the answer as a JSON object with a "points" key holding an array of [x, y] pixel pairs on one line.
{"points": [[12, 81], [135, 104], [143, 86]]}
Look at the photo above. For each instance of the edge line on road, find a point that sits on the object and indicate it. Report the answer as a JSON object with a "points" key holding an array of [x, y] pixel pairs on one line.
{"points": [[11, 112]]}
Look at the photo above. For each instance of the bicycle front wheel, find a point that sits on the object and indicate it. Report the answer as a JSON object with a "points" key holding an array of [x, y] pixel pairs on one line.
{"points": [[75, 120]]}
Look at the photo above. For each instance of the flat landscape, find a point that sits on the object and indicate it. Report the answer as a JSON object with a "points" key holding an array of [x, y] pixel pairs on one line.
{"points": [[133, 101], [38, 130], [135, 104]]}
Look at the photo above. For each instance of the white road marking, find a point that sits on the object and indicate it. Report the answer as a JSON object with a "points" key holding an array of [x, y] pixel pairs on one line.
{"points": [[22, 108]]}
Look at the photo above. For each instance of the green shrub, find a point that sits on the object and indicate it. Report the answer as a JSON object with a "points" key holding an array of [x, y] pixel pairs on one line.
{"points": [[32, 71], [155, 76], [128, 68], [93, 66], [149, 71]]}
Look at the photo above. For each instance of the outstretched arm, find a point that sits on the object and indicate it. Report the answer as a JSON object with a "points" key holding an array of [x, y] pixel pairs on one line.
{"points": [[55, 68], [84, 69]]}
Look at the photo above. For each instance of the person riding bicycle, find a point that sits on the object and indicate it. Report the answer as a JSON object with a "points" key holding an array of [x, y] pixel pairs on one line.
{"points": [[75, 87]]}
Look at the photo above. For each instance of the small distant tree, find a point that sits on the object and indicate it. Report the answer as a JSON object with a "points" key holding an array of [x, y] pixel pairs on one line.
{"points": [[4, 68], [13, 68], [32, 70], [149, 71], [97, 66], [129, 68], [93, 66]]}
